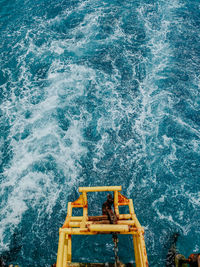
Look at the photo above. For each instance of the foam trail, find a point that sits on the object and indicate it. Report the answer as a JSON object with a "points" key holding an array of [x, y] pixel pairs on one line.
{"points": [[44, 156], [97, 93], [159, 124]]}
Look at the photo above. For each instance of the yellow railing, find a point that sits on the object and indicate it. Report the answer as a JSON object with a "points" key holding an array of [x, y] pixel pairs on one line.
{"points": [[92, 225]]}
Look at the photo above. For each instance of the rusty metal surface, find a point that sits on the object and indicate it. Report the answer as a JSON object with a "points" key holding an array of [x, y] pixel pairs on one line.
{"points": [[75, 264], [111, 222], [122, 200], [97, 218]]}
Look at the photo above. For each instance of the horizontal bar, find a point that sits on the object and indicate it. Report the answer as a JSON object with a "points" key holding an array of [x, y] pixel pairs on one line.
{"points": [[119, 222], [77, 264], [98, 218], [90, 218], [77, 224], [85, 231], [77, 205], [74, 224], [124, 216], [100, 188], [126, 222], [75, 231], [108, 228], [76, 218]]}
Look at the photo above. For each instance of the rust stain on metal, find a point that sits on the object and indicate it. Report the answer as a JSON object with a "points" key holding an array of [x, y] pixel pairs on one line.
{"points": [[110, 222], [84, 230], [78, 202], [97, 218], [122, 200]]}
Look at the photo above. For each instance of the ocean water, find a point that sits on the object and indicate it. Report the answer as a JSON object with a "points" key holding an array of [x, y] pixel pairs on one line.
{"points": [[98, 93]]}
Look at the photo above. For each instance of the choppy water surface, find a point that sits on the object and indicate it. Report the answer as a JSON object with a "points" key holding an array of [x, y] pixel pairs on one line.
{"points": [[98, 93]]}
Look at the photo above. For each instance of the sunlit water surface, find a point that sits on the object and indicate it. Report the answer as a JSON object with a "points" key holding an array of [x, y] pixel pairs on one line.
{"points": [[98, 93]]}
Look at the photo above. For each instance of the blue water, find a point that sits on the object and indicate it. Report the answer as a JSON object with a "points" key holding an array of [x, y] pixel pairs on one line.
{"points": [[98, 93]]}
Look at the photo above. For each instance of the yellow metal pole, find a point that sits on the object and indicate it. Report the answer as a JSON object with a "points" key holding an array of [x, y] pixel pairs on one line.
{"points": [[141, 259], [65, 259], [120, 222], [136, 251], [60, 248], [74, 224], [140, 256], [69, 214], [69, 209], [116, 208], [141, 241], [85, 210], [143, 249], [131, 209], [69, 249], [100, 188], [76, 218], [108, 228], [85, 204], [85, 231], [126, 222], [124, 216]]}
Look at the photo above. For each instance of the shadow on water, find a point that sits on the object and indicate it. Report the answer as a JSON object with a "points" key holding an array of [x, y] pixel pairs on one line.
{"points": [[14, 250], [170, 259]]}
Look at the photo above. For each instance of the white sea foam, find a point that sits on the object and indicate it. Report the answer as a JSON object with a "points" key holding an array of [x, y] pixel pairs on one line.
{"points": [[44, 137], [171, 217], [161, 54], [66, 82]]}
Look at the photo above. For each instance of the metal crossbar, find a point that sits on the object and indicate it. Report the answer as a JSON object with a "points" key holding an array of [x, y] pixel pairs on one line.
{"points": [[93, 225]]}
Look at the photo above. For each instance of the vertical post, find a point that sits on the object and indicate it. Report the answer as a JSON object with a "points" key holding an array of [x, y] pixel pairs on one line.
{"points": [[116, 208], [143, 249], [137, 263], [69, 249], [131, 209], [65, 259], [85, 204], [137, 247], [60, 248], [69, 215], [85, 210], [140, 251]]}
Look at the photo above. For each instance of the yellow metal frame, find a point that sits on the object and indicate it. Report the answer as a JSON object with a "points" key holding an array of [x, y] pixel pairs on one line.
{"points": [[92, 225]]}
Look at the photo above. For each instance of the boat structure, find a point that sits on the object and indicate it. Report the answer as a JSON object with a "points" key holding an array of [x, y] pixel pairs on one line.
{"points": [[113, 223], [110, 222]]}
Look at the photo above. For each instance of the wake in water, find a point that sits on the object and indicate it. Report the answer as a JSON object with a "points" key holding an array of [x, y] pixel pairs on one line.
{"points": [[98, 93]]}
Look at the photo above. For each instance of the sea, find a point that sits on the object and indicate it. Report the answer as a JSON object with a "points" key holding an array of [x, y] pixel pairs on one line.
{"points": [[98, 93]]}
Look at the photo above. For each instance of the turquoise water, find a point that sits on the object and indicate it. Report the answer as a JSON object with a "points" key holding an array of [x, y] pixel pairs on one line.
{"points": [[98, 93]]}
